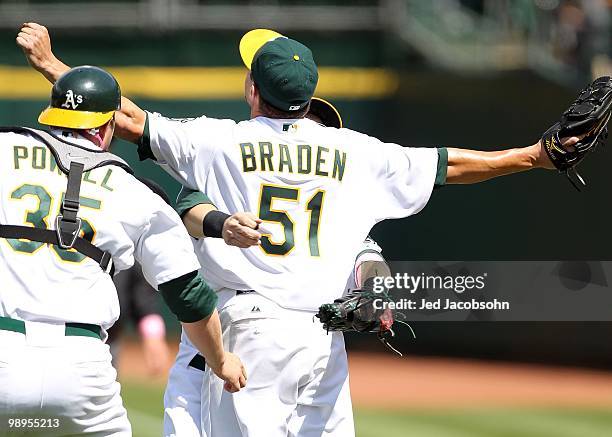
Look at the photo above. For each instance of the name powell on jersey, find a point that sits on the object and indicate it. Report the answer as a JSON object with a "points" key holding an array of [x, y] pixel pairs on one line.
{"points": [[72, 100]]}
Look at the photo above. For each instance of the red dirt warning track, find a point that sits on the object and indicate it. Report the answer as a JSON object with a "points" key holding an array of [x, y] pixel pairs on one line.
{"points": [[385, 381]]}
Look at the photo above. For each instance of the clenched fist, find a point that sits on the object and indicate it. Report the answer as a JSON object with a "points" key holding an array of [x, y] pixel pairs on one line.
{"points": [[240, 230], [36, 45]]}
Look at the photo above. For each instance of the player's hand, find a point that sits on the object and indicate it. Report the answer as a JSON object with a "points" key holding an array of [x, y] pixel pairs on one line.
{"points": [[240, 230], [542, 159], [232, 372], [36, 45]]}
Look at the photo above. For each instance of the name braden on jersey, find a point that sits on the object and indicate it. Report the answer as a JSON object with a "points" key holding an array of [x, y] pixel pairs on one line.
{"points": [[41, 158], [302, 159]]}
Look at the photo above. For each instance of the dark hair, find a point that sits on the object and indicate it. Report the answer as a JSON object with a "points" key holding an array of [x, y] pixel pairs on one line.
{"points": [[271, 111]]}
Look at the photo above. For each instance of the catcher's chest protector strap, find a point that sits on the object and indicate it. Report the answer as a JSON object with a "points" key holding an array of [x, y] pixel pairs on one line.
{"points": [[73, 160]]}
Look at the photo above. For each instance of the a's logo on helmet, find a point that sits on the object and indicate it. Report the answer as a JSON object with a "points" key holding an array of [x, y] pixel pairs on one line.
{"points": [[72, 100]]}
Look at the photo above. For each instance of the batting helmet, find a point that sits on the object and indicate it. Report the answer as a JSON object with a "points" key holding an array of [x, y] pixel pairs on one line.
{"points": [[82, 98]]}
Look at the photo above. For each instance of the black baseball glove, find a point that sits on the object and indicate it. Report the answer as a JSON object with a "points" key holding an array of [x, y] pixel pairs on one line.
{"points": [[586, 118], [357, 311]]}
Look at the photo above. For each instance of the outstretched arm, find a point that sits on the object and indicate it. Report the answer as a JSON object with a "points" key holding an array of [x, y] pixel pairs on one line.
{"points": [[35, 42], [471, 166]]}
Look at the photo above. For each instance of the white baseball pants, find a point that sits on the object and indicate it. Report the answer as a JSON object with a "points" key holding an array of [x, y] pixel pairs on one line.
{"points": [[66, 382], [298, 382], [183, 407]]}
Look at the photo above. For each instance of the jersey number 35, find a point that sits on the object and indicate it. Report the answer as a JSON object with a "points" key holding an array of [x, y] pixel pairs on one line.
{"points": [[39, 219]]}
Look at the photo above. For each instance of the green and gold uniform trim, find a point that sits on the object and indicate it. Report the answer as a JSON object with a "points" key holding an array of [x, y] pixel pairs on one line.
{"points": [[188, 198], [72, 329]]}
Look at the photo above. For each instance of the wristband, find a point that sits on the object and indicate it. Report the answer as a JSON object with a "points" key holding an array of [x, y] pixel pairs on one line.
{"points": [[212, 225]]}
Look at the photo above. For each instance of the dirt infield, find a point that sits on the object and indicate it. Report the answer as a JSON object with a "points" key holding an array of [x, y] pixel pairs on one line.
{"points": [[384, 381]]}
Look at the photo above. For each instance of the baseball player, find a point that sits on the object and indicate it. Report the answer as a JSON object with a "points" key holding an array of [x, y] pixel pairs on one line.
{"points": [[185, 400], [58, 297], [306, 182]]}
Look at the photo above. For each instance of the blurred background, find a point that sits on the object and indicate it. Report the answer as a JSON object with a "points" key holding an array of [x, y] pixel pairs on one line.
{"points": [[482, 74]]}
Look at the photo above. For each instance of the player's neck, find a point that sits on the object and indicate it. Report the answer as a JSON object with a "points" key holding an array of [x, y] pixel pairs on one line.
{"points": [[256, 113], [74, 134]]}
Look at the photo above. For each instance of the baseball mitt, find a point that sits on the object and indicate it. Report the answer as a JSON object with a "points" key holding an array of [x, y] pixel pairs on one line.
{"points": [[587, 119], [358, 311]]}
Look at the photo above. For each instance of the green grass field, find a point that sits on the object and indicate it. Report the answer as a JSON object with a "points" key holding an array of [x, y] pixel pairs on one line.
{"points": [[144, 405]]}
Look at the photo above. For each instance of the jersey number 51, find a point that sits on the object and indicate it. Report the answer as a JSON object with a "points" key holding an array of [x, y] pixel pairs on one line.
{"points": [[313, 207]]}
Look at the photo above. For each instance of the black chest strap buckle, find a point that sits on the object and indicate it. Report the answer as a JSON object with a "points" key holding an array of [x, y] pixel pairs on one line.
{"points": [[67, 223]]}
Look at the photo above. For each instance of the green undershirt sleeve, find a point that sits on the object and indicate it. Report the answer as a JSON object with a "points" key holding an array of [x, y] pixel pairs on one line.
{"points": [[144, 143], [189, 297], [442, 167], [189, 198]]}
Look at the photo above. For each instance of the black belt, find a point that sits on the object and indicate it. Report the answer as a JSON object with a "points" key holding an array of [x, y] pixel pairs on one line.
{"points": [[198, 362]]}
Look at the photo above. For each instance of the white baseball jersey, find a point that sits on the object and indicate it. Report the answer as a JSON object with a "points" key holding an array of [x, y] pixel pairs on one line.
{"points": [[319, 191], [41, 282]]}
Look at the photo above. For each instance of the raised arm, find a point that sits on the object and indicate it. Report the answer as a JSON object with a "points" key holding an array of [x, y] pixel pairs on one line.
{"points": [[35, 42], [472, 166]]}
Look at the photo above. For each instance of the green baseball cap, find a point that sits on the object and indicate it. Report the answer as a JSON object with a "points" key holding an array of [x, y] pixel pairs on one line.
{"points": [[283, 69]]}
